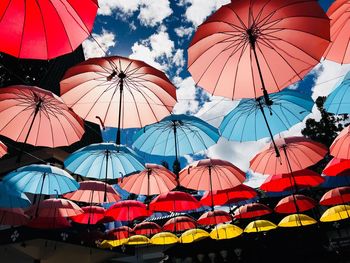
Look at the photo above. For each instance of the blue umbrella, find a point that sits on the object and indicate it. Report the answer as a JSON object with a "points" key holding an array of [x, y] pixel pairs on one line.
{"points": [[338, 101], [247, 122], [104, 161], [12, 199]]}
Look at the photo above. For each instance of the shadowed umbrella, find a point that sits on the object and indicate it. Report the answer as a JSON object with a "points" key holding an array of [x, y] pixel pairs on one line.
{"points": [[338, 101], [3, 149], [336, 213], [147, 229], [49, 223], [296, 220], [259, 226], [252, 210], [119, 92], [193, 235], [214, 218], [127, 210], [13, 217], [295, 204], [164, 238], [91, 216], [119, 233], [179, 224], [336, 196], [174, 202], [337, 167], [10, 198], [341, 145], [225, 231], [55, 207]]}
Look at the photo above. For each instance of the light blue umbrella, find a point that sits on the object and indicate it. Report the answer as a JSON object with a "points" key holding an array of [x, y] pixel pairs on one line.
{"points": [[41, 179], [10, 198], [104, 161], [338, 101], [246, 122]]}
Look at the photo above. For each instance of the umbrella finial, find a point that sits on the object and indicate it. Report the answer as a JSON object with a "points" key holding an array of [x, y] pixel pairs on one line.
{"points": [[113, 74]]}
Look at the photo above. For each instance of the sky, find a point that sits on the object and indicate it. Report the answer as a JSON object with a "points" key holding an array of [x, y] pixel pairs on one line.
{"points": [[159, 32]]}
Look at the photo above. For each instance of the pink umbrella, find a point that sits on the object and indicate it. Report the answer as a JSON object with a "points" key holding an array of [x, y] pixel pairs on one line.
{"points": [[119, 92], [147, 229], [297, 153], [295, 204], [340, 147], [174, 202], [91, 216], [127, 210], [180, 223], [13, 217], [38, 117], [93, 192], [214, 218], [55, 207], [154, 180], [3, 149]]}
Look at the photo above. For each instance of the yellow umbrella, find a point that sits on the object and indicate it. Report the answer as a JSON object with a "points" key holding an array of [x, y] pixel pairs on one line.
{"points": [[193, 235], [164, 238], [297, 220], [138, 240], [225, 231], [113, 243], [259, 226], [336, 213]]}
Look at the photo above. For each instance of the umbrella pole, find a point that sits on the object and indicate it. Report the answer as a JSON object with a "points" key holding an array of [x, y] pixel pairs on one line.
{"points": [[105, 195], [176, 164], [211, 189], [41, 190], [121, 76]]}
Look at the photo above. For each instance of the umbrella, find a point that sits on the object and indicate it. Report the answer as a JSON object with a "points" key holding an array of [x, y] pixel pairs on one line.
{"points": [[93, 192], [335, 181], [174, 202], [295, 204], [13, 217], [339, 48], [336, 196], [296, 220], [284, 182], [193, 235], [3, 149], [259, 226], [225, 231], [336, 213], [120, 233], [91, 216], [233, 195], [214, 218], [153, 180], [119, 92], [45, 29], [164, 238], [137, 240], [337, 167], [252, 210], [49, 223], [113, 243], [341, 145], [55, 207], [246, 121], [338, 100], [147, 229], [127, 210], [179, 224], [297, 153], [10, 198]]}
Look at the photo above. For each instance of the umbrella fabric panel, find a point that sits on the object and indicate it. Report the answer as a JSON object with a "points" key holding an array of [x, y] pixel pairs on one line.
{"points": [[338, 101]]}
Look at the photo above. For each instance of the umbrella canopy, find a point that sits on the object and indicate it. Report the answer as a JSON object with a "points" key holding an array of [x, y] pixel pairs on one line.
{"points": [[211, 175], [49, 223], [225, 231], [10, 198], [296, 220], [341, 145], [252, 210], [91, 216], [337, 167], [147, 229], [339, 48], [336, 213], [52, 28], [153, 180], [214, 218], [104, 161], [164, 238], [13, 217], [179, 224], [38, 117], [137, 240], [127, 210], [174, 202], [259, 226], [113, 243], [246, 42], [41, 179], [297, 153], [94, 192], [120, 233], [3, 149], [338, 101], [193, 235], [237, 194], [55, 207], [286, 181], [295, 204], [246, 121], [336, 196]]}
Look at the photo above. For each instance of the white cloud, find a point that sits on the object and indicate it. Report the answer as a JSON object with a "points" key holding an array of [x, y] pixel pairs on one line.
{"points": [[186, 96], [99, 44], [184, 31], [107, 7]]}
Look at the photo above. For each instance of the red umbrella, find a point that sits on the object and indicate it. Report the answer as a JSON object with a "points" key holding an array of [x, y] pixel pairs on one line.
{"points": [[336, 196], [285, 182], [339, 48], [340, 147], [55, 207], [13, 217], [179, 224], [154, 180], [234, 195], [174, 201], [127, 210], [45, 29], [252, 210], [119, 233], [3, 149], [91, 216], [337, 167], [147, 229], [38, 117], [119, 92], [214, 218], [297, 153], [49, 223], [295, 204], [94, 192]]}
